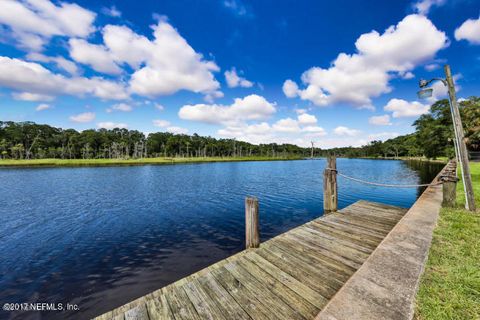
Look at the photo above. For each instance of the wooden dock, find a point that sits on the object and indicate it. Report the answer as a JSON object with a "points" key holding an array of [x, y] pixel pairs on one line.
{"points": [[291, 276]]}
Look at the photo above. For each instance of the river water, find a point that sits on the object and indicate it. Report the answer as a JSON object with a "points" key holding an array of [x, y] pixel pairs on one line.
{"points": [[99, 237]]}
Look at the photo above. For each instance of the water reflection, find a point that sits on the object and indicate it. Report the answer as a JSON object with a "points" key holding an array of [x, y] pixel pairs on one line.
{"points": [[100, 237]]}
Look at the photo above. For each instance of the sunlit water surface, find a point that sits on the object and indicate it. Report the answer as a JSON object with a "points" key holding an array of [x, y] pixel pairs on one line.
{"points": [[99, 237]]}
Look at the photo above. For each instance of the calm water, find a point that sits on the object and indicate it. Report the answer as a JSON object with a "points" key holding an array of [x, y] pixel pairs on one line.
{"points": [[100, 237]]}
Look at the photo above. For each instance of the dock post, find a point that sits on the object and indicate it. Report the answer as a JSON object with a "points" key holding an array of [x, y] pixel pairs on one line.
{"points": [[330, 194], [449, 191], [252, 235], [449, 185]]}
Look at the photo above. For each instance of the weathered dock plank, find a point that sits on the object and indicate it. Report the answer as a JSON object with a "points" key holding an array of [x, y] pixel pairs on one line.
{"points": [[292, 276], [228, 305], [158, 308], [248, 300]]}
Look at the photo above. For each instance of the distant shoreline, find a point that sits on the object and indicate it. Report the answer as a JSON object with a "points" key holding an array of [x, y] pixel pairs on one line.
{"points": [[131, 162], [5, 163], [440, 160]]}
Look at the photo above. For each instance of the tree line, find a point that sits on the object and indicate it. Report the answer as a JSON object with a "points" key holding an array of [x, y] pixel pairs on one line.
{"points": [[433, 136], [27, 140]]}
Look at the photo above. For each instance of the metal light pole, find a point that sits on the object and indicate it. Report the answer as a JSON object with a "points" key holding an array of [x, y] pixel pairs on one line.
{"points": [[456, 155], [460, 147]]}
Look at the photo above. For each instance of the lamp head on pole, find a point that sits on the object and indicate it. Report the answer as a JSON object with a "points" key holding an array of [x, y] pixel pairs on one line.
{"points": [[425, 93], [423, 83]]}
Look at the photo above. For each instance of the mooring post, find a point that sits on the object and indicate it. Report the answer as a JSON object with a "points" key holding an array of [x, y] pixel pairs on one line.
{"points": [[449, 191], [330, 195], [252, 235], [449, 185]]}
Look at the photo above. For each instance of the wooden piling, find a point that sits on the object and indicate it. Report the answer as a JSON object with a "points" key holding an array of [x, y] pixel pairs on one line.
{"points": [[449, 179], [252, 234], [449, 192], [330, 192]]}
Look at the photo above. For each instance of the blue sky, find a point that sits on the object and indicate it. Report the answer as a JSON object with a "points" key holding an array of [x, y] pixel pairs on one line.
{"points": [[338, 73]]}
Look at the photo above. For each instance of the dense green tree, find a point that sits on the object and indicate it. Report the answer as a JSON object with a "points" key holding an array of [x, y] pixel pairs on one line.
{"points": [[470, 110], [27, 140], [435, 131]]}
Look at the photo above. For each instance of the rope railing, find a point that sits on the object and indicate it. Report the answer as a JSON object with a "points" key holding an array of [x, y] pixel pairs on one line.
{"points": [[385, 184], [447, 177], [391, 185]]}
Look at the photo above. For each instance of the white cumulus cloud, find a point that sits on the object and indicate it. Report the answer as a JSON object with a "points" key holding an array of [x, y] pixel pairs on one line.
{"points": [[252, 107], [211, 96], [345, 131], [159, 66], [162, 66], [83, 117], [357, 78], [120, 107], [469, 30], [402, 108], [244, 130], [112, 12], [43, 106], [33, 78], [173, 66], [265, 133], [424, 6], [380, 120], [314, 131], [406, 75], [59, 61], [234, 80], [169, 127], [159, 107], [305, 118], [290, 89], [432, 66], [33, 22], [96, 56], [300, 131], [161, 123], [286, 125], [28, 96], [111, 125]]}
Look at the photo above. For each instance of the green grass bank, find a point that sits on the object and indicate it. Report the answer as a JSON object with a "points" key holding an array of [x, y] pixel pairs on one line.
{"points": [[132, 162], [450, 286]]}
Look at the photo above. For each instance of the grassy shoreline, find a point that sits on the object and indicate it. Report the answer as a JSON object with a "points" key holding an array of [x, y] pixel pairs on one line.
{"points": [[438, 160], [163, 161], [450, 286], [129, 162]]}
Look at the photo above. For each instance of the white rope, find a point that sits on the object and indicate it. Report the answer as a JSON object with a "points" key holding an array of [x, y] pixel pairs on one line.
{"points": [[388, 185]]}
